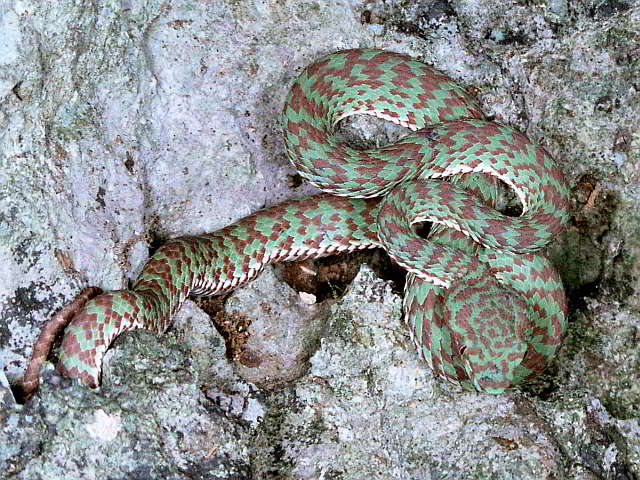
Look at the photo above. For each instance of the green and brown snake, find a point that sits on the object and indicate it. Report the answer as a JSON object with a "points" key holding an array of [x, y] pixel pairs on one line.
{"points": [[486, 309]]}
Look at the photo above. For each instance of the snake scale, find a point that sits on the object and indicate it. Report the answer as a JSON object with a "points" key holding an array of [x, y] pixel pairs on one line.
{"points": [[485, 310]]}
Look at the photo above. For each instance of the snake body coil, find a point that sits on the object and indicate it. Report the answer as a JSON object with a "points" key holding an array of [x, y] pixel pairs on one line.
{"points": [[485, 310]]}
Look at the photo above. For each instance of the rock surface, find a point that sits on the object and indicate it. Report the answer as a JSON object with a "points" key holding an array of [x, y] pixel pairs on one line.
{"points": [[127, 123]]}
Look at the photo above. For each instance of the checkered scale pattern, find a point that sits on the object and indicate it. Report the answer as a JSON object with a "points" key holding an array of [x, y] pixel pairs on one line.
{"points": [[486, 309]]}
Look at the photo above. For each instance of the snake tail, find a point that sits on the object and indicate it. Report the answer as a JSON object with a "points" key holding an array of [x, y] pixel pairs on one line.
{"points": [[214, 264]]}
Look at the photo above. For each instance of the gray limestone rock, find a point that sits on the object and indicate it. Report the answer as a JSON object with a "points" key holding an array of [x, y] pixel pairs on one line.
{"points": [[124, 124], [283, 330]]}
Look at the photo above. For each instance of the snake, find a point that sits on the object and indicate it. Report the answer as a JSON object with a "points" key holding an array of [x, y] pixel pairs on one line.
{"points": [[485, 308]]}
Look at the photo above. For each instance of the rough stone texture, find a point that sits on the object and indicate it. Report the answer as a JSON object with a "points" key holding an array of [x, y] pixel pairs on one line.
{"points": [[126, 123], [149, 422], [282, 330]]}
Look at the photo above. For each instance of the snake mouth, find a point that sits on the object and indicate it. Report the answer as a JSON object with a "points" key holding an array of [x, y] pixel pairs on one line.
{"points": [[492, 381], [493, 377]]}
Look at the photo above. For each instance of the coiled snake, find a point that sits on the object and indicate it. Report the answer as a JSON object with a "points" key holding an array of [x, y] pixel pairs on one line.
{"points": [[485, 310]]}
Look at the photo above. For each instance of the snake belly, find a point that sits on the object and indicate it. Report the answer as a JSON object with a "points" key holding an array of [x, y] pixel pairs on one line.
{"points": [[485, 309]]}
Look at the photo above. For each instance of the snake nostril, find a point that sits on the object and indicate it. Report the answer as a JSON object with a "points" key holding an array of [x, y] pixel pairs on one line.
{"points": [[463, 349]]}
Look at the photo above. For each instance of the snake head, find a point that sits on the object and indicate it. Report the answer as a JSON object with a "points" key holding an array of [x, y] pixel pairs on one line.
{"points": [[490, 327]]}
